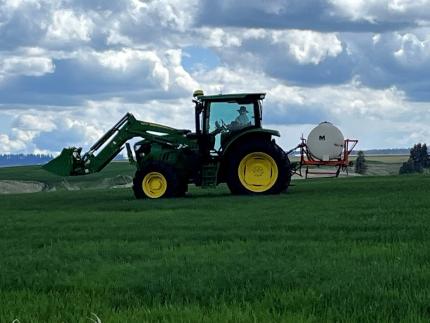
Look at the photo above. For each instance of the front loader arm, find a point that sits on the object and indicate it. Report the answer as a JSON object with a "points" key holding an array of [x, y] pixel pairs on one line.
{"points": [[70, 162]]}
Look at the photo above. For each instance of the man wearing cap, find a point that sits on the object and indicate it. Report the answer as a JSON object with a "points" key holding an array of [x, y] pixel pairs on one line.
{"points": [[242, 119]]}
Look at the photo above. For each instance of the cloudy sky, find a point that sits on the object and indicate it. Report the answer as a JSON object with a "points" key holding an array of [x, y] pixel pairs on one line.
{"points": [[69, 69]]}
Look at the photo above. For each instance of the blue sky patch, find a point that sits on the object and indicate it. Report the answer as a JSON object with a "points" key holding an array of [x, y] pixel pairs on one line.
{"points": [[194, 57]]}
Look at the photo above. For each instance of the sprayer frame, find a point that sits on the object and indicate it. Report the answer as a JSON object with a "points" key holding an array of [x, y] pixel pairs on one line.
{"points": [[307, 160]]}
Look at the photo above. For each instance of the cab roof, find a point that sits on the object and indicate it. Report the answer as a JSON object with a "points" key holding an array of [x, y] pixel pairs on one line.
{"points": [[235, 96]]}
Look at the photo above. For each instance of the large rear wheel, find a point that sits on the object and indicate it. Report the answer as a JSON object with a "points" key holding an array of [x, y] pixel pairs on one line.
{"points": [[259, 167], [155, 180]]}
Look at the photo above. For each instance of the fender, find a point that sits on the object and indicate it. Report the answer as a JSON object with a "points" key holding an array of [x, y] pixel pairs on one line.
{"points": [[249, 132]]}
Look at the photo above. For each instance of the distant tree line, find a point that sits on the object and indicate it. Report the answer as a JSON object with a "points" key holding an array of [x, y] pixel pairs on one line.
{"points": [[23, 159], [418, 161], [32, 159], [390, 151]]}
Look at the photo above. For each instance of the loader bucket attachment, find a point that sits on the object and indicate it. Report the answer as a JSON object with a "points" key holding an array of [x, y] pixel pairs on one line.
{"points": [[64, 164]]}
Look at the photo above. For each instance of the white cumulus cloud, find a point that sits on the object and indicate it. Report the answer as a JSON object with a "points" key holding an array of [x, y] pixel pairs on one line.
{"points": [[29, 66], [309, 47], [382, 10], [68, 26], [34, 122], [413, 51]]}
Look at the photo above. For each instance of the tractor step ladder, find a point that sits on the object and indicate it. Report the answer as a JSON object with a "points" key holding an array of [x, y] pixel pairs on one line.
{"points": [[209, 175]]}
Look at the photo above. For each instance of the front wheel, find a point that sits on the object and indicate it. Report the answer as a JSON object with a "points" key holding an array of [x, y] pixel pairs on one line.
{"points": [[154, 181], [258, 168]]}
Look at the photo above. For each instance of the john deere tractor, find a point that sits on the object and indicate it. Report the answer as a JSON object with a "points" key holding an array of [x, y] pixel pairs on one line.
{"points": [[229, 145]]}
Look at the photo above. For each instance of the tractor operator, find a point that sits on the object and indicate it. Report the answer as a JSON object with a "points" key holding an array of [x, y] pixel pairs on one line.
{"points": [[242, 119]]}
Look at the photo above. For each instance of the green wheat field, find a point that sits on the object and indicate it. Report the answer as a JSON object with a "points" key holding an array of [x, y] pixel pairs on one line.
{"points": [[353, 249]]}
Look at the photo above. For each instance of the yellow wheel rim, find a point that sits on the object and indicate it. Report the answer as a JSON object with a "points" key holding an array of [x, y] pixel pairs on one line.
{"points": [[258, 172], [154, 185]]}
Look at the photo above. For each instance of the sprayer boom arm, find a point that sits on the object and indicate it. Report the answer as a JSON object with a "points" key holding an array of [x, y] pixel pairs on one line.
{"points": [[70, 162]]}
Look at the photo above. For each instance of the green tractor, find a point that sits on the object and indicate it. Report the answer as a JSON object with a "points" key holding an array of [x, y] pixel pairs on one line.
{"points": [[229, 146]]}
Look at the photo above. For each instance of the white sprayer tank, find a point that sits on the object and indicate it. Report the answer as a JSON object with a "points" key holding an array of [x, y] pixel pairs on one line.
{"points": [[325, 142]]}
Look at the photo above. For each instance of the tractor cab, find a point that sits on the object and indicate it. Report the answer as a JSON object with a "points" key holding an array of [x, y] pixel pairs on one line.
{"points": [[222, 118], [233, 146]]}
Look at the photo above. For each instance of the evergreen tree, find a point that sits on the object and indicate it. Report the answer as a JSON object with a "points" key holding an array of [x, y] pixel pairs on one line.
{"points": [[360, 163], [418, 160]]}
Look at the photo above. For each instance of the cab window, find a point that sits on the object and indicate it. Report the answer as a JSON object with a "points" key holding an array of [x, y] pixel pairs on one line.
{"points": [[226, 117]]}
